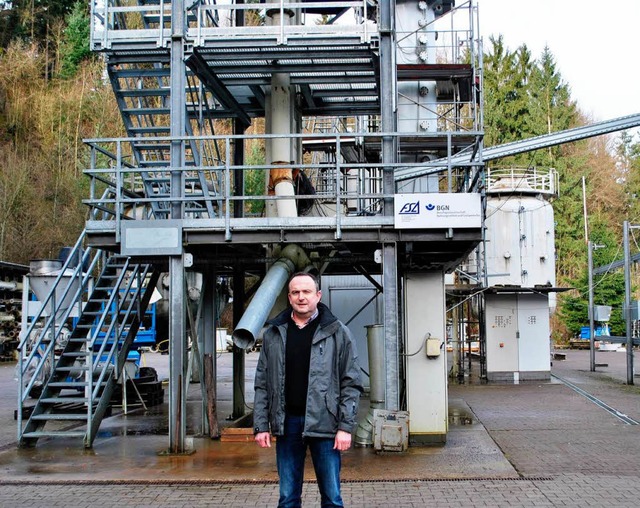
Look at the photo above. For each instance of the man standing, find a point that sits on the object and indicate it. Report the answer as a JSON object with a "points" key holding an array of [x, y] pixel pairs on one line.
{"points": [[307, 390]]}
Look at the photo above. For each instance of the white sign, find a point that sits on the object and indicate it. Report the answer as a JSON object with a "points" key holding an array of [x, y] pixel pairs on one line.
{"points": [[435, 211]]}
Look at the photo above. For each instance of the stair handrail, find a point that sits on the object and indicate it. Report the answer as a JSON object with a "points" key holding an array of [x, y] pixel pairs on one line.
{"points": [[36, 351], [97, 355], [93, 358]]}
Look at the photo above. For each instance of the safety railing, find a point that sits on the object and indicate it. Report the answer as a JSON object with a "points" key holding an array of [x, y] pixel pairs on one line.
{"points": [[341, 189], [531, 180], [46, 327], [149, 22]]}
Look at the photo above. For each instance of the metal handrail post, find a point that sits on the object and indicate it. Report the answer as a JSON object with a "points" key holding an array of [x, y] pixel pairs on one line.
{"points": [[338, 212], [227, 193], [118, 179]]}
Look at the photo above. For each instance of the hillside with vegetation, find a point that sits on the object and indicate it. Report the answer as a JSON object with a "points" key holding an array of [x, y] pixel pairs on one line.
{"points": [[53, 94]]}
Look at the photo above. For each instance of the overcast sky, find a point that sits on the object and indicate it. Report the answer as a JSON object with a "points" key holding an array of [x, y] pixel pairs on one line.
{"points": [[595, 44]]}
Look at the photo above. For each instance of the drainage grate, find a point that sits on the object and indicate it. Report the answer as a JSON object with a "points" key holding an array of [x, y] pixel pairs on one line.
{"points": [[263, 482]]}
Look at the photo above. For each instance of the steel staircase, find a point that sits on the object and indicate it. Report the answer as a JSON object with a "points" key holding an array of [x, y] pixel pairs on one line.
{"points": [[80, 372], [142, 91]]}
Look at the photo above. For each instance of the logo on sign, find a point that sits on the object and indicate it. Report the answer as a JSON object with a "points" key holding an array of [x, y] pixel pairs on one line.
{"points": [[430, 207], [410, 208]]}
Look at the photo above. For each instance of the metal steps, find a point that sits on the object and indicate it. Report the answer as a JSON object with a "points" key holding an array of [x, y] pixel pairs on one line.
{"points": [[79, 385]]}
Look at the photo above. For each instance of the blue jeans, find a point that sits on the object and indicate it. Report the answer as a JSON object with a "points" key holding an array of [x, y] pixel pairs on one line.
{"points": [[291, 450]]}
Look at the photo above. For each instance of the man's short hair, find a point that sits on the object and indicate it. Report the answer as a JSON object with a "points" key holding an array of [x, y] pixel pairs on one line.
{"points": [[305, 274]]}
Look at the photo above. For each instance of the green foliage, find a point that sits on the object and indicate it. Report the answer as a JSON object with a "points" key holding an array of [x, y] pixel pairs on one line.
{"points": [[31, 20], [42, 124], [524, 98], [505, 93], [254, 180], [628, 151], [74, 47], [608, 288]]}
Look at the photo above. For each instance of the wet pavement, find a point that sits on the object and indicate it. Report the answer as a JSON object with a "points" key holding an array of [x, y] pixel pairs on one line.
{"points": [[531, 444]]}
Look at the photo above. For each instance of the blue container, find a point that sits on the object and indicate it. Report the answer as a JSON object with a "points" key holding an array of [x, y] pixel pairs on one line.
{"points": [[598, 332]]}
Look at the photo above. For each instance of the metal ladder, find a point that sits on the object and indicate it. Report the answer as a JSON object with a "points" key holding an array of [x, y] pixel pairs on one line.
{"points": [[76, 393]]}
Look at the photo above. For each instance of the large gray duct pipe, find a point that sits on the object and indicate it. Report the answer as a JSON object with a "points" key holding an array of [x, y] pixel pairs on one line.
{"points": [[292, 258]]}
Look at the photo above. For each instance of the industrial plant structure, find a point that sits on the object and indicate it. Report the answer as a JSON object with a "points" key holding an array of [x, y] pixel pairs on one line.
{"points": [[343, 137]]}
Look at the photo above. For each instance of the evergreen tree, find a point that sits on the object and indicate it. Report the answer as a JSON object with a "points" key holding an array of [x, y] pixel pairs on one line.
{"points": [[75, 43], [551, 108], [628, 162], [506, 102], [608, 288]]}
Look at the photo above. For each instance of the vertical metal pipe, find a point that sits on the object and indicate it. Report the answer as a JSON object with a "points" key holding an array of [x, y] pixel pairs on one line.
{"points": [[390, 284], [627, 303], [592, 341], [375, 348], [238, 354], [177, 318]]}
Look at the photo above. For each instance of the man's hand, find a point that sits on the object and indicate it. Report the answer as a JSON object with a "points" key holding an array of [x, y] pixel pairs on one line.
{"points": [[342, 441], [263, 439]]}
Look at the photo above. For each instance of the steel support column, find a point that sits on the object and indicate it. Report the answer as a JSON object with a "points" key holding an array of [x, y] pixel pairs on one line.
{"points": [[389, 157], [238, 280], [177, 310], [208, 335], [627, 302], [238, 354], [388, 99]]}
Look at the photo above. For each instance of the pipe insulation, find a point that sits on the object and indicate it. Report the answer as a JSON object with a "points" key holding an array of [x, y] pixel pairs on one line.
{"points": [[281, 113]]}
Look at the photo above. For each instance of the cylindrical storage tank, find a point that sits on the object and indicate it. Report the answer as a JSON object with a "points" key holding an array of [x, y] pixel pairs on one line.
{"points": [[520, 248]]}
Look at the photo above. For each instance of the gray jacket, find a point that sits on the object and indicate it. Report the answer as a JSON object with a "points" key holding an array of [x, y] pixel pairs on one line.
{"points": [[334, 378]]}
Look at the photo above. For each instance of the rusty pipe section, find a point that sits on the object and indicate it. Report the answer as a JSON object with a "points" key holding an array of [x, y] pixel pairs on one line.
{"points": [[292, 258]]}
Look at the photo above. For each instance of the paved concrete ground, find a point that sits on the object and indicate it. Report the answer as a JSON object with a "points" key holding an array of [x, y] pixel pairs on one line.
{"points": [[532, 444]]}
